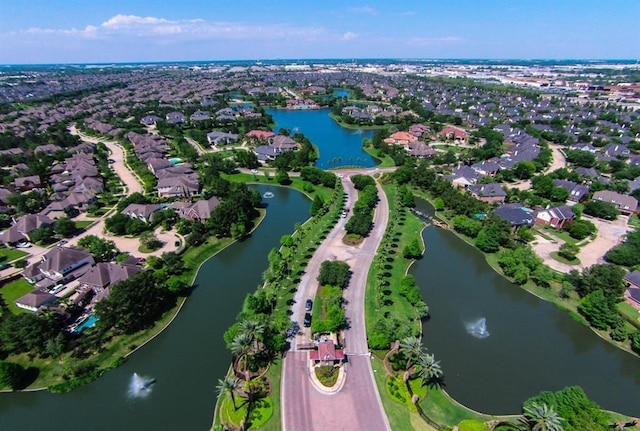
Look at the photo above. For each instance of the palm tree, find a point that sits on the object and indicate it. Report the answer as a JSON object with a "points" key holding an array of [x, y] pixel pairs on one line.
{"points": [[241, 346], [254, 330], [541, 417], [428, 368], [411, 348], [228, 385]]}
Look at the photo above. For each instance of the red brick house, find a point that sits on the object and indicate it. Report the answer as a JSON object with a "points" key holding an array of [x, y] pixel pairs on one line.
{"points": [[453, 133]]}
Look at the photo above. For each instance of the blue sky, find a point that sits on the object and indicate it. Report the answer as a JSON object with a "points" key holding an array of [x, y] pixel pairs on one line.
{"points": [[71, 31]]}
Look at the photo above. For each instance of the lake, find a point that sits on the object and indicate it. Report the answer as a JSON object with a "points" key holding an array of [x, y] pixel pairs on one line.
{"points": [[338, 146]]}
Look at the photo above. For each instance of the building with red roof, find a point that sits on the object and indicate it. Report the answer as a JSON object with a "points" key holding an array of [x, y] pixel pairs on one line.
{"points": [[327, 353]]}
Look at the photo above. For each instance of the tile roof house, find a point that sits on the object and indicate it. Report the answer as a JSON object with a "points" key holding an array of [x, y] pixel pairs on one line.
{"points": [[283, 143], [515, 214], [143, 212], [198, 211], [492, 192], [156, 164], [222, 138], [22, 227], [557, 217], [59, 264], [104, 275], [35, 300], [420, 150], [454, 133], [400, 138], [260, 134], [632, 294], [576, 191], [626, 204], [177, 186]]}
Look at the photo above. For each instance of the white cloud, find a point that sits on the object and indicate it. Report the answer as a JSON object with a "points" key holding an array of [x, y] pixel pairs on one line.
{"points": [[405, 13], [364, 9], [349, 35], [430, 41], [182, 30]]}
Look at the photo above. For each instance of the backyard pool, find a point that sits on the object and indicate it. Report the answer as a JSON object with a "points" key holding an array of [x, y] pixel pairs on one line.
{"points": [[87, 323]]}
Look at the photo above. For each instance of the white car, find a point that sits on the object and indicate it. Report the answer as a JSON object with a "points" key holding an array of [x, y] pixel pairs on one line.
{"points": [[23, 245]]}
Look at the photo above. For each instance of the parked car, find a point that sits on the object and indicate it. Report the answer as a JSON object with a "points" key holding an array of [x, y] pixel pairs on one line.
{"points": [[23, 245], [307, 320], [5, 266], [308, 305]]}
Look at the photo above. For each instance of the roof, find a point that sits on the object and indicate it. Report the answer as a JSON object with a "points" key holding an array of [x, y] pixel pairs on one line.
{"points": [[36, 299], [624, 202], [106, 274], [634, 294], [59, 258], [515, 214], [633, 277], [487, 190], [561, 213], [326, 352], [141, 210]]}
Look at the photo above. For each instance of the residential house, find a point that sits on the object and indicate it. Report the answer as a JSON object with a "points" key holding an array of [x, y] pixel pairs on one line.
{"points": [[626, 204], [27, 183], [420, 150], [199, 211], [47, 149], [487, 167], [259, 135], [266, 153], [463, 176], [35, 300], [142, 212], [150, 120], [104, 275], [492, 192], [58, 265], [515, 214], [401, 138], [177, 187], [283, 143], [200, 116], [221, 138], [22, 227], [176, 118], [418, 130], [157, 164], [577, 192], [632, 294], [557, 217], [453, 133]]}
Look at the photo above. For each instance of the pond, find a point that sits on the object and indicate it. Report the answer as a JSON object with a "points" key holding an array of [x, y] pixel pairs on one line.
{"points": [[527, 345], [184, 362], [338, 146]]}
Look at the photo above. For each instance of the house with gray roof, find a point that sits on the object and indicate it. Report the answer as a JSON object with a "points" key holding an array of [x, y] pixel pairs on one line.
{"points": [[150, 120], [492, 192], [199, 211], [221, 138], [35, 300], [516, 214], [27, 183], [177, 187], [626, 204], [577, 192], [143, 212], [200, 116], [176, 118], [22, 227], [104, 275], [420, 150]]}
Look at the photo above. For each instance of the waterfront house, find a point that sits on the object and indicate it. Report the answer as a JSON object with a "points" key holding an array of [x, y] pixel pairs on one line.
{"points": [[104, 275], [516, 214], [492, 192], [199, 211]]}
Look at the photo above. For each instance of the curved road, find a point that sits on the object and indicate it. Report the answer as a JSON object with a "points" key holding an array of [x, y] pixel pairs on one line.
{"points": [[357, 404]]}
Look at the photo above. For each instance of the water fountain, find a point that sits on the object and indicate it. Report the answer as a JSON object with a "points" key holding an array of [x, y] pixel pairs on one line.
{"points": [[140, 386], [478, 328]]}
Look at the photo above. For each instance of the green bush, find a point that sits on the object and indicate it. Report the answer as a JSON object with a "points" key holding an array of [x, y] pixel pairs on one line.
{"points": [[472, 425]]}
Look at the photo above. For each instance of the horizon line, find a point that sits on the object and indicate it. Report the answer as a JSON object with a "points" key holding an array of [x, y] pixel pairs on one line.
{"points": [[334, 59]]}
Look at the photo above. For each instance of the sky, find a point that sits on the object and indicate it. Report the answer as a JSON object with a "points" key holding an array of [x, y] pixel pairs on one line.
{"points": [[100, 31]]}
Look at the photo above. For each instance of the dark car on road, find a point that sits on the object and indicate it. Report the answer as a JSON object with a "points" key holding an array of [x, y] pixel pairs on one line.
{"points": [[308, 305], [307, 320]]}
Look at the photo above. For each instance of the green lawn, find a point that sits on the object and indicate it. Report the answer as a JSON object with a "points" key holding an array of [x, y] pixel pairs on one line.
{"points": [[81, 224], [385, 160], [13, 291], [296, 183], [443, 410], [11, 254], [556, 256]]}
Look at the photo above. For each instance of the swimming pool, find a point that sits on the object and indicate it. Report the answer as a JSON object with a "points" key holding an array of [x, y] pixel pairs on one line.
{"points": [[87, 323], [175, 160]]}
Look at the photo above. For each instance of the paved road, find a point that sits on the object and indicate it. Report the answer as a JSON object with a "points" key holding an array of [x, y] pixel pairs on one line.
{"points": [[357, 405], [131, 181]]}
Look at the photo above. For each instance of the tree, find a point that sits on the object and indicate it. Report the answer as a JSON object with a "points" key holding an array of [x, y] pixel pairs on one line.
{"points": [[102, 250], [524, 170], [317, 205], [580, 229], [174, 263], [541, 417], [241, 347], [254, 329], [229, 385], [42, 235], [411, 349], [334, 273], [599, 310], [568, 251], [413, 250], [608, 278], [64, 227], [603, 210], [282, 177], [11, 374], [148, 240], [428, 368]]}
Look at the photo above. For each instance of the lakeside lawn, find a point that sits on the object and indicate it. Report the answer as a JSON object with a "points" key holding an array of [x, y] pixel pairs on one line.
{"points": [[14, 290], [296, 182]]}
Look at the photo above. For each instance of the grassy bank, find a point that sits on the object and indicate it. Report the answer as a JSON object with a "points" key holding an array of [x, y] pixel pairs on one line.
{"points": [[356, 126]]}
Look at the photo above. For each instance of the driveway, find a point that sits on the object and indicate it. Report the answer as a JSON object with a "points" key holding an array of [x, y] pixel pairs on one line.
{"points": [[357, 404], [610, 234]]}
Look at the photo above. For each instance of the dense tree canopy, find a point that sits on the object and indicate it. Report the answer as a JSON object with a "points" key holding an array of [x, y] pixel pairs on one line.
{"points": [[334, 273]]}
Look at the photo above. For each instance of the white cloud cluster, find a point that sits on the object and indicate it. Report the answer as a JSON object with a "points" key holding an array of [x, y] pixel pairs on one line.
{"points": [[181, 30]]}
